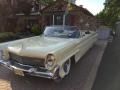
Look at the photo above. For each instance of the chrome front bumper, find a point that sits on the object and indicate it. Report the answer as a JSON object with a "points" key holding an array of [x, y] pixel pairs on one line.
{"points": [[39, 72]]}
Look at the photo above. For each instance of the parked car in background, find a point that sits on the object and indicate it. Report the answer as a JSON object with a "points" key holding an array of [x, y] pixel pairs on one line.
{"points": [[49, 55]]}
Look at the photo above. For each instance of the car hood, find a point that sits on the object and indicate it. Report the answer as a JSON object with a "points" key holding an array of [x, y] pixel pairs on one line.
{"points": [[39, 46]]}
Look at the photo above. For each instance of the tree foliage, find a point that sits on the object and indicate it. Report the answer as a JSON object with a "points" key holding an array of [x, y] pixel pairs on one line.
{"points": [[111, 12]]}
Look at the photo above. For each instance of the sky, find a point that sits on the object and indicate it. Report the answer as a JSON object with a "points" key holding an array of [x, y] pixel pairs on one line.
{"points": [[94, 6]]}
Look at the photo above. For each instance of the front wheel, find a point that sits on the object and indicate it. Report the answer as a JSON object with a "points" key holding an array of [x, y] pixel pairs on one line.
{"points": [[57, 77], [66, 67], [63, 71]]}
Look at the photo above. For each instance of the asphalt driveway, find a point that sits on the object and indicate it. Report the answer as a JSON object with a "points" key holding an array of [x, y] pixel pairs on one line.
{"points": [[81, 76]]}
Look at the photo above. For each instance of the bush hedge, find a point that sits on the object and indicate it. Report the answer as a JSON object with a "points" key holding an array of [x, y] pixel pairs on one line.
{"points": [[7, 36], [36, 30]]}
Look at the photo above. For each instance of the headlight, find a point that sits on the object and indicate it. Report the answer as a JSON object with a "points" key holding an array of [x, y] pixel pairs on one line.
{"points": [[50, 59]]}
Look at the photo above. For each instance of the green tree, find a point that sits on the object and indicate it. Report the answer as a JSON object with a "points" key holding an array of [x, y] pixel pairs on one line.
{"points": [[112, 8], [111, 12]]}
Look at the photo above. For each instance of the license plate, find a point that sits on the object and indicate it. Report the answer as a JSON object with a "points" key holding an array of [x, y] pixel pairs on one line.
{"points": [[18, 72]]}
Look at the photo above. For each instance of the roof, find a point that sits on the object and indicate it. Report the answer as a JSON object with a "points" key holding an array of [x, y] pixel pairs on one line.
{"points": [[61, 5]]}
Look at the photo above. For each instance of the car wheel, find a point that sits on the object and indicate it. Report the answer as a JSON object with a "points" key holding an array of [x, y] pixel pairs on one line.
{"points": [[62, 71], [67, 66], [57, 77]]}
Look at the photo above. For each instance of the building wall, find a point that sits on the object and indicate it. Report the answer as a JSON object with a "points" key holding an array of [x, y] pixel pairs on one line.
{"points": [[83, 21], [77, 16]]}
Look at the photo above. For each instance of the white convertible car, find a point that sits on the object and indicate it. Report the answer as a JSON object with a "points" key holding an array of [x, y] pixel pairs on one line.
{"points": [[49, 55]]}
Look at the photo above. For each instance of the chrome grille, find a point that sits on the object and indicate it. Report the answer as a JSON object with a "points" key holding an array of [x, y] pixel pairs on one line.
{"points": [[27, 60]]}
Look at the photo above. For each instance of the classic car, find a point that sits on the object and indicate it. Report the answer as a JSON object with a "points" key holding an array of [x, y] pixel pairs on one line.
{"points": [[49, 55]]}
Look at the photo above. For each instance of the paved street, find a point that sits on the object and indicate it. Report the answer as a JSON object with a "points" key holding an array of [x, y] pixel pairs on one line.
{"points": [[108, 77], [81, 76]]}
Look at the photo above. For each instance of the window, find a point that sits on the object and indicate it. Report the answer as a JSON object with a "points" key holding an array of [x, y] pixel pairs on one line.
{"points": [[58, 19]]}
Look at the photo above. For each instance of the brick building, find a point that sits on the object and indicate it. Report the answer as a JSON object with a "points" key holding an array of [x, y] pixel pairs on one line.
{"points": [[55, 14]]}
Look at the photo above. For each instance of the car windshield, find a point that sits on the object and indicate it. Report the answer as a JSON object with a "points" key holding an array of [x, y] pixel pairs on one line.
{"points": [[62, 32]]}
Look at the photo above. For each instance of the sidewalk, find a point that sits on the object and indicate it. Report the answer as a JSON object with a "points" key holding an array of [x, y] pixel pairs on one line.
{"points": [[108, 77], [101, 46]]}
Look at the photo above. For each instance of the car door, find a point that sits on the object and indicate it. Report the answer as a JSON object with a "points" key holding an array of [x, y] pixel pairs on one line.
{"points": [[82, 46]]}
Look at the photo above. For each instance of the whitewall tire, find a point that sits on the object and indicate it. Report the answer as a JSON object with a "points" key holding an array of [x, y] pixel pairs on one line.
{"points": [[63, 71]]}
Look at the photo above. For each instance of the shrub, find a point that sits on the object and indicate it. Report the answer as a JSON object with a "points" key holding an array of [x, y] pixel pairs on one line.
{"points": [[36, 30], [7, 36]]}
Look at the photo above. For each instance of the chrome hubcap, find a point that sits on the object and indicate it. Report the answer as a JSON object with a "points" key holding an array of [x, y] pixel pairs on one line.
{"points": [[66, 66]]}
